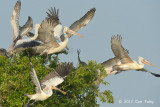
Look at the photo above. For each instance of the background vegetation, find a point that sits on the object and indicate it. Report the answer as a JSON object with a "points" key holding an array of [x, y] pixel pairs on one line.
{"points": [[15, 81]]}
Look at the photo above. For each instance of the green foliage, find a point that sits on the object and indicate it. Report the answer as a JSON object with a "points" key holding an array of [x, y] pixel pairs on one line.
{"points": [[15, 81]]}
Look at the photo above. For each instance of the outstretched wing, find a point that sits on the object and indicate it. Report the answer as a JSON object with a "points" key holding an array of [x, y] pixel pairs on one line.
{"points": [[111, 62], [49, 27], [15, 19], [15, 23], [24, 29], [34, 78], [82, 22], [119, 51], [28, 26], [57, 77]]}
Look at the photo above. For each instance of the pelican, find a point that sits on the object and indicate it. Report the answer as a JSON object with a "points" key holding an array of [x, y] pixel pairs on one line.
{"points": [[122, 61], [49, 82], [19, 32], [47, 33], [79, 60], [76, 26]]}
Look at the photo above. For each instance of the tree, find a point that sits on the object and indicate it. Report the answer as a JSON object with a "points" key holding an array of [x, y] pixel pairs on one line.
{"points": [[15, 82]]}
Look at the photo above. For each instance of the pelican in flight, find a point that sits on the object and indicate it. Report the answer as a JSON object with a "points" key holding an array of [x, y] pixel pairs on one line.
{"points": [[49, 82], [76, 26], [122, 61], [19, 32], [79, 60], [48, 33]]}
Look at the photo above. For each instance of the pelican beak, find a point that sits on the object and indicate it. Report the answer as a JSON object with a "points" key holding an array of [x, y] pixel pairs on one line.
{"points": [[147, 62], [53, 88], [73, 32]]}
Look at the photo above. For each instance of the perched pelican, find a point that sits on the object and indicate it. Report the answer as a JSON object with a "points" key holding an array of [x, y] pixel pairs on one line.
{"points": [[122, 61], [49, 82], [19, 32], [79, 60], [47, 33]]}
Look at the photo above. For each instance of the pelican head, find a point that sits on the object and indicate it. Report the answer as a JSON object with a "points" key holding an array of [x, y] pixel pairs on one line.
{"points": [[68, 30], [141, 59]]}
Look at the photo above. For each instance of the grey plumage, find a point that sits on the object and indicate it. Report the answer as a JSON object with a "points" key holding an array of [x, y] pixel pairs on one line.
{"points": [[15, 22], [119, 51], [61, 71], [28, 26], [111, 62], [45, 35], [34, 78], [82, 22], [28, 44], [19, 32]]}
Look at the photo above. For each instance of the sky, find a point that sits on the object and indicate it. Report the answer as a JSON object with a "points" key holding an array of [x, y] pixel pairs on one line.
{"points": [[137, 21]]}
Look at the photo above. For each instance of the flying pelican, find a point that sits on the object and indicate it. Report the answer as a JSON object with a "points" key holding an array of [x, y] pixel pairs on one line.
{"points": [[47, 33], [79, 60], [49, 82], [19, 32], [122, 61], [76, 26]]}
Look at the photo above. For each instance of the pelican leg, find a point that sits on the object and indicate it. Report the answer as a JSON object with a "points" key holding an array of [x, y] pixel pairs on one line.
{"points": [[55, 88]]}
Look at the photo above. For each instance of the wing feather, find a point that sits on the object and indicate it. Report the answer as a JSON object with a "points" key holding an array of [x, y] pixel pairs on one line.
{"points": [[28, 44], [15, 19], [34, 78], [28, 26], [59, 74], [119, 51], [111, 62], [46, 32], [82, 22]]}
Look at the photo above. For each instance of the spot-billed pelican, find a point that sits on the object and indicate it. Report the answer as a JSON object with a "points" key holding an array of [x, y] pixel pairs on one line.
{"points": [[122, 61], [49, 82], [48, 32], [76, 26], [19, 32]]}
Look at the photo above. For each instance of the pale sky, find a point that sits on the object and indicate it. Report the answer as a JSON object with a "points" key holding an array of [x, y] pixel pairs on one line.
{"points": [[137, 21]]}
